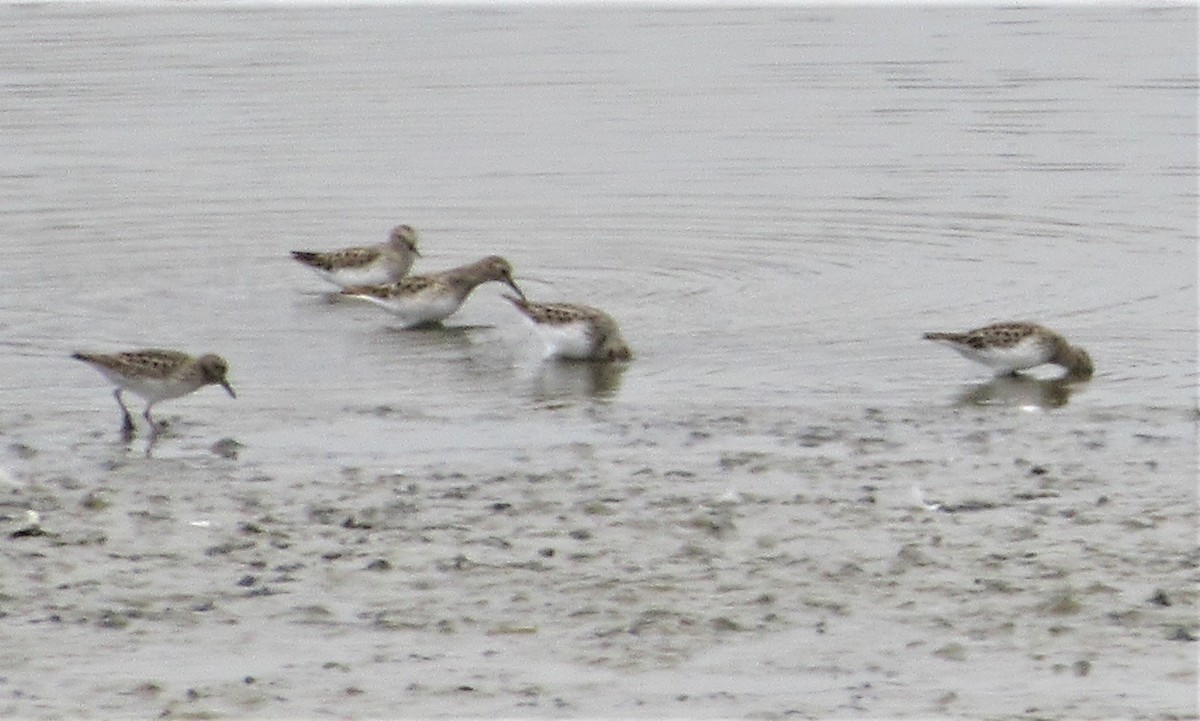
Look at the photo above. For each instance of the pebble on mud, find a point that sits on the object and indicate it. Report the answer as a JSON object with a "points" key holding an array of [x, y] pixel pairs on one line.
{"points": [[1160, 598], [94, 501], [112, 619], [1063, 602], [226, 448], [1181, 633], [28, 532], [952, 652]]}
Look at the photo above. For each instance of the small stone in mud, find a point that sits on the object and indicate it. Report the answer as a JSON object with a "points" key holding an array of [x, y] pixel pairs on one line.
{"points": [[459, 563], [711, 524], [226, 448], [1160, 598], [379, 564], [911, 555], [1062, 603], [969, 506], [952, 652], [506, 630], [28, 532], [597, 508], [1182, 634], [94, 501], [546, 552], [224, 548], [723, 623], [247, 581], [22, 451], [1038, 470], [112, 619]]}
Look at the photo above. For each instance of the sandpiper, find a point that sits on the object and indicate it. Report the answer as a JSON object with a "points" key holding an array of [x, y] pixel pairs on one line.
{"points": [[574, 332], [1013, 346], [157, 375], [429, 299], [383, 263]]}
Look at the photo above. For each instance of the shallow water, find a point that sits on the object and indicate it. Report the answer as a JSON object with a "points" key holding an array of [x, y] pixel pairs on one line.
{"points": [[775, 204]]}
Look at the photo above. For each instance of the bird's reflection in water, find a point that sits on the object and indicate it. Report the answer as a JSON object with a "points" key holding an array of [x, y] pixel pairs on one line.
{"points": [[1021, 391], [561, 380]]}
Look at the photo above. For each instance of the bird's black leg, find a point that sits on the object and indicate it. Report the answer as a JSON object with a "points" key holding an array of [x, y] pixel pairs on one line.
{"points": [[127, 422]]}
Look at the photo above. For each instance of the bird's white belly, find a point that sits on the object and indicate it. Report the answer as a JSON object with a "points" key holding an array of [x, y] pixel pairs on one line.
{"points": [[419, 309], [151, 390], [569, 340], [1026, 353], [373, 274]]}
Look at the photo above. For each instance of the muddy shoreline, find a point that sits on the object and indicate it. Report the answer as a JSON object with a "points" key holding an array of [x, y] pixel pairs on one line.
{"points": [[734, 563]]}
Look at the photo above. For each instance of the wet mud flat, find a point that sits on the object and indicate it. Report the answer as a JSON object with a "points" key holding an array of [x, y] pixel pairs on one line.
{"points": [[719, 562]]}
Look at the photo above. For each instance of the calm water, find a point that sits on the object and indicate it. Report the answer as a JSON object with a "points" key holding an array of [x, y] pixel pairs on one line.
{"points": [[775, 203]]}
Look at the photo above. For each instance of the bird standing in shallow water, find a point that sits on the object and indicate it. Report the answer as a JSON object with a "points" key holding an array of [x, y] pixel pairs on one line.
{"points": [[428, 299], [383, 263], [575, 332], [1014, 346], [157, 375]]}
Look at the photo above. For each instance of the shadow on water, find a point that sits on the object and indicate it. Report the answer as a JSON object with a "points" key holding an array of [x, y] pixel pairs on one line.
{"points": [[423, 338], [564, 380], [1021, 391]]}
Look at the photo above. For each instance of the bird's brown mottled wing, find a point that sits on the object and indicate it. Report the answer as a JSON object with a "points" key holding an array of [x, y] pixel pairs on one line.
{"points": [[338, 259]]}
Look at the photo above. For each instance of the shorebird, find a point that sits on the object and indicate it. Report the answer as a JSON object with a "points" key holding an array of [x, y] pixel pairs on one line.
{"points": [[574, 332], [383, 263], [1013, 346], [157, 375], [428, 299]]}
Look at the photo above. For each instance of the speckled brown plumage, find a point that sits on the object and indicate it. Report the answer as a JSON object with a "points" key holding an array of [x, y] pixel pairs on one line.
{"points": [[383, 263], [156, 375], [1017, 345], [427, 299], [599, 337]]}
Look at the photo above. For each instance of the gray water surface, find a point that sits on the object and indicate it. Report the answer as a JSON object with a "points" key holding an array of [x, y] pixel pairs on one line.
{"points": [[775, 203]]}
